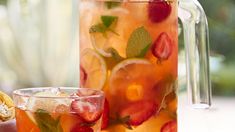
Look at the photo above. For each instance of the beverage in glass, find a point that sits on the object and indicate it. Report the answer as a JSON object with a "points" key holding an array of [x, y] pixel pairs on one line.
{"points": [[61, 109]]}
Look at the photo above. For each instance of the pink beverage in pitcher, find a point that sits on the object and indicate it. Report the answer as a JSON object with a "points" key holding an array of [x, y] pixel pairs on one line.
{"points": [[129, 50]]}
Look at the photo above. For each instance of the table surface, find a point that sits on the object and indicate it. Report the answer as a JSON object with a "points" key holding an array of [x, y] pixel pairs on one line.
{"points": [[219, 118]]}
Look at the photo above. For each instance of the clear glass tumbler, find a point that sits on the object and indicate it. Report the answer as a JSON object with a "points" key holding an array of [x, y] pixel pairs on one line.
{"points": [[61, 109]]}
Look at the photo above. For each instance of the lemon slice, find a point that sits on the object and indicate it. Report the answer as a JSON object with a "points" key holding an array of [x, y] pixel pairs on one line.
{"points": [[31, 116], [6, 99], [95, 69], [7, 110], [133, 79], [100, 44]]}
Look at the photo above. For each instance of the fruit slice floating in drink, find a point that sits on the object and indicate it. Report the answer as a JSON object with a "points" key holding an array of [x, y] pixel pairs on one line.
{"points": [[170, 126], [138, 112], [93, 68], [159, 10]]}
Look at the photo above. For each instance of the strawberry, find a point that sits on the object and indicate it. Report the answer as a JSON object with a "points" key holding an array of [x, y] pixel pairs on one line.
{"points": [[138, 112], [162, 47], [79, 128], [105, 117], [83, 76], [86, 110], [170, 126], [158, 10]]}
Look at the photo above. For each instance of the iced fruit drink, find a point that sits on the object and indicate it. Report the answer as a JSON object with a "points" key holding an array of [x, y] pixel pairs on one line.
{"points": [[129, 49], [58, 110]]}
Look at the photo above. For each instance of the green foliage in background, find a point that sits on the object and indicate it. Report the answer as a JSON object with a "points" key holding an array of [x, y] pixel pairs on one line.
{"points": [[221, 20], [3, 2]]}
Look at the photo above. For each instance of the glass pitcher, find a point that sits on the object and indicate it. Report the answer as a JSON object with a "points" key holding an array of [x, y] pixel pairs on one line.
{"points": [[129, 49]]}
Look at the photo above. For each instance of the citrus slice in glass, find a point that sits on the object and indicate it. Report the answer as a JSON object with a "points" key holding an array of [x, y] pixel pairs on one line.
{"points": [[28, 120], [133, 79], [100, 43], [95, 68], [43, 100]]}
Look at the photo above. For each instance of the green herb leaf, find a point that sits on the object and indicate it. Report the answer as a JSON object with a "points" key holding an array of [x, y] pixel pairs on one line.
{"points": [[144, 51], [138, 43], [98, 28], [46, 123], [112, 4], [115, 54], [108, 20]]}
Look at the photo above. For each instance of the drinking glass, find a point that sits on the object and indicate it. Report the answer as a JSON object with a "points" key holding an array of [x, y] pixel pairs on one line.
{"points": [[63, 109]]}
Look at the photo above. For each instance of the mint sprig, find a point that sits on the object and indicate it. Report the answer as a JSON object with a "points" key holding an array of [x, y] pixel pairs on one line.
{"points": [[112, 4], [108, 20], [115, 54], [46, 123], [105, 25], [138, 43]]}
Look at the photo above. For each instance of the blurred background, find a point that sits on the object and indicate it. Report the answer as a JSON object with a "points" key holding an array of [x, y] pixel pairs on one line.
{"points": [[37, 50], [220, 15], [37, 44]]}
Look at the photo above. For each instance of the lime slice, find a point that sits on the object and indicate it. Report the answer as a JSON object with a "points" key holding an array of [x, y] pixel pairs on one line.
{"points": [[95, 68]]}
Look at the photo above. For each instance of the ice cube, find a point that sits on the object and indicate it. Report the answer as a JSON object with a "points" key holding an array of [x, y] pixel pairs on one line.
{"points": [[48, 100], [53, 91]]}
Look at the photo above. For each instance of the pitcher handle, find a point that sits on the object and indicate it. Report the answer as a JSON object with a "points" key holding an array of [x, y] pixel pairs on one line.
{"points": [[196, 38]]}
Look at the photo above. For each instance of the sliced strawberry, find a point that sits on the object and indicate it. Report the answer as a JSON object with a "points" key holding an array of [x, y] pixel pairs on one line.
{"points": [[105, 117], [170, 126], [138, 112], [83, 76], [158, 10], [162, 47], [79, 128], [86, 110]]}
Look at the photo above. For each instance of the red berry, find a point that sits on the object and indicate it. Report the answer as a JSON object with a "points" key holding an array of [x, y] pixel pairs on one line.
{"points": [[83, 76], [86, 110], [162, 47], [158, 10], [170, 126], [105, 117], [79, 128], [139, 112]]}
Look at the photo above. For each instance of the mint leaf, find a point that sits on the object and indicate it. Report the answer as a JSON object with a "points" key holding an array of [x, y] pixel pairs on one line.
{"points": [[138, 43], [98, 28], [112, 4], [108, 20], [115, 54], [144, 51], [103, 27], [46, 123]]}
